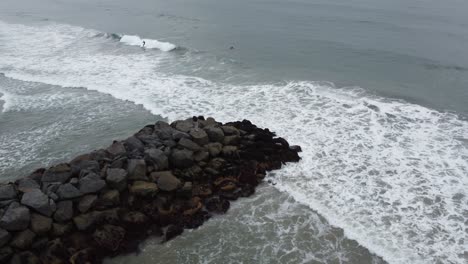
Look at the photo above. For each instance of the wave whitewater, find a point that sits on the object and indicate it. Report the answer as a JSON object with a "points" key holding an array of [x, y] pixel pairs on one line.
{"points": [[392, 175]]}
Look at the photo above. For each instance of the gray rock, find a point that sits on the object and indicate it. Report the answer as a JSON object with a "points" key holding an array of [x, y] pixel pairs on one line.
{"points": [[230, 151], [133, 143], [199, 136], [117, 178], [5, 254], [59, 230], [167, 181], [59, 173], [23, 239], [160, 125], [110, 198], [118, 163], [68, 191], [145, 189], [186, 190], [85, 167], [38, 201], [182, 158], [214, 149], [183, 125], [215, 134], [169, 143], [7, 192], [117, 148], [15, 218], [40, 224], [150, 140], [85, 221], [189, 144], [201, 155], [4, 237], [158, 158], [64, 211], [136, 169], [25, 257], [5, 203], [87, 202], [27, 184], [92, 183], [232, 140], [230, 130], [165, 133], [178, 135]]}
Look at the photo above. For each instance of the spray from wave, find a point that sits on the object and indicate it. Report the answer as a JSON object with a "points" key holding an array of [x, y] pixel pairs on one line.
{"points": [[148, 43], [393, 175]]}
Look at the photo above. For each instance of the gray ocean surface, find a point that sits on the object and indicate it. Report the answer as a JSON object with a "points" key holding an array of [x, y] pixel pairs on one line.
{"points": [[376, 93]]}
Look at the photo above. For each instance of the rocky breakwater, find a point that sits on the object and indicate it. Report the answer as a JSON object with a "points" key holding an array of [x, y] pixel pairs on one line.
{"points": [[157, 182]]}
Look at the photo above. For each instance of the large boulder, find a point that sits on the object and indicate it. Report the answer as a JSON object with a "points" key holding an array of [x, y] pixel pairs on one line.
{"points": [[117, 148], [27, 184], [181, 158], [64, 211], [15, 218], [167, 181], [23, 239], [232, 140], [230, 130], [68, 191], [199, 136], [133, 143], [38, 201], [7, 192], [215, 134], [59, 173], [158, 158], [85, 221], [189, 144], [137, 169], [183, 125], [109, 237], [145, 189], [117, 178], [59, 230], [40, 224], [214, 149], [4, 237], [91, 183], [87, 202], [110, 198], [5, 254]]}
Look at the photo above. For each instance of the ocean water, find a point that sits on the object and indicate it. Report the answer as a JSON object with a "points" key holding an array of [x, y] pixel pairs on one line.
{"points": [[375, 92]]}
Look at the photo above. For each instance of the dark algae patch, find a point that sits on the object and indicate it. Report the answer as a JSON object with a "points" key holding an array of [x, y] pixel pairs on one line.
{"points": [[158, 182]]}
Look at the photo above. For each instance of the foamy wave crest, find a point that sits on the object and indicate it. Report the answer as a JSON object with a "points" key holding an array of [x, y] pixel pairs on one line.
{"points": [[393, 175], [149, 43]]}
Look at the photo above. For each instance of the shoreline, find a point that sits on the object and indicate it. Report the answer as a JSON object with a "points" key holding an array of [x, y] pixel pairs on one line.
{"points": [[160, 181]]}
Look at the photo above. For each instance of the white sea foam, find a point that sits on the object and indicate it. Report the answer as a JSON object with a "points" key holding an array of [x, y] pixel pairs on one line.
{"points": [[393, 175], [149, 43]]}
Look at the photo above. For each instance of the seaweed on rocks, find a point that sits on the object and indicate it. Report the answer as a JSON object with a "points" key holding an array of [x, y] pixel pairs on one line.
{"points": [[158, 182]]}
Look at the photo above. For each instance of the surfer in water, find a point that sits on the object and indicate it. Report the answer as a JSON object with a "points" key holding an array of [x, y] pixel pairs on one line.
{"points": [[143, 45]]}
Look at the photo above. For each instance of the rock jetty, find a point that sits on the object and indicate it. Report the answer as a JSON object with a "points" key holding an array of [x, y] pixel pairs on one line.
{"points": [[158, 182]]}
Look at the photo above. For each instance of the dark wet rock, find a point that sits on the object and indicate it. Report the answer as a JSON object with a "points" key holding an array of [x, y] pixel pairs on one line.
{"points": [[5, 203], [59, 230], [173, 231], [186, 190], [68, 191], [26, 257], [230, 151], [117, 178], [110, 198], [92, 183], [27, 184], [109, 237], [59, 173], [38, 201], [295, 148], [64, 211], [169, 143], [5, 254], [216, 204], [199, 136], [4, 237], [167, 181], [15, 218], [181, 158], [87, 202], [23, 239], [152, 141], [84, 256], [145, 189], [134, 218], [85, 221], [178, 135], [232, 140], [133, 143], [230, 130], [201, 155], [214, 149], [158, 158], [40, 224], [183, 125], [7, 192], [165, 133], [117, 148], [118, 163], [215, 134], [189, 144], [137, 169]]}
